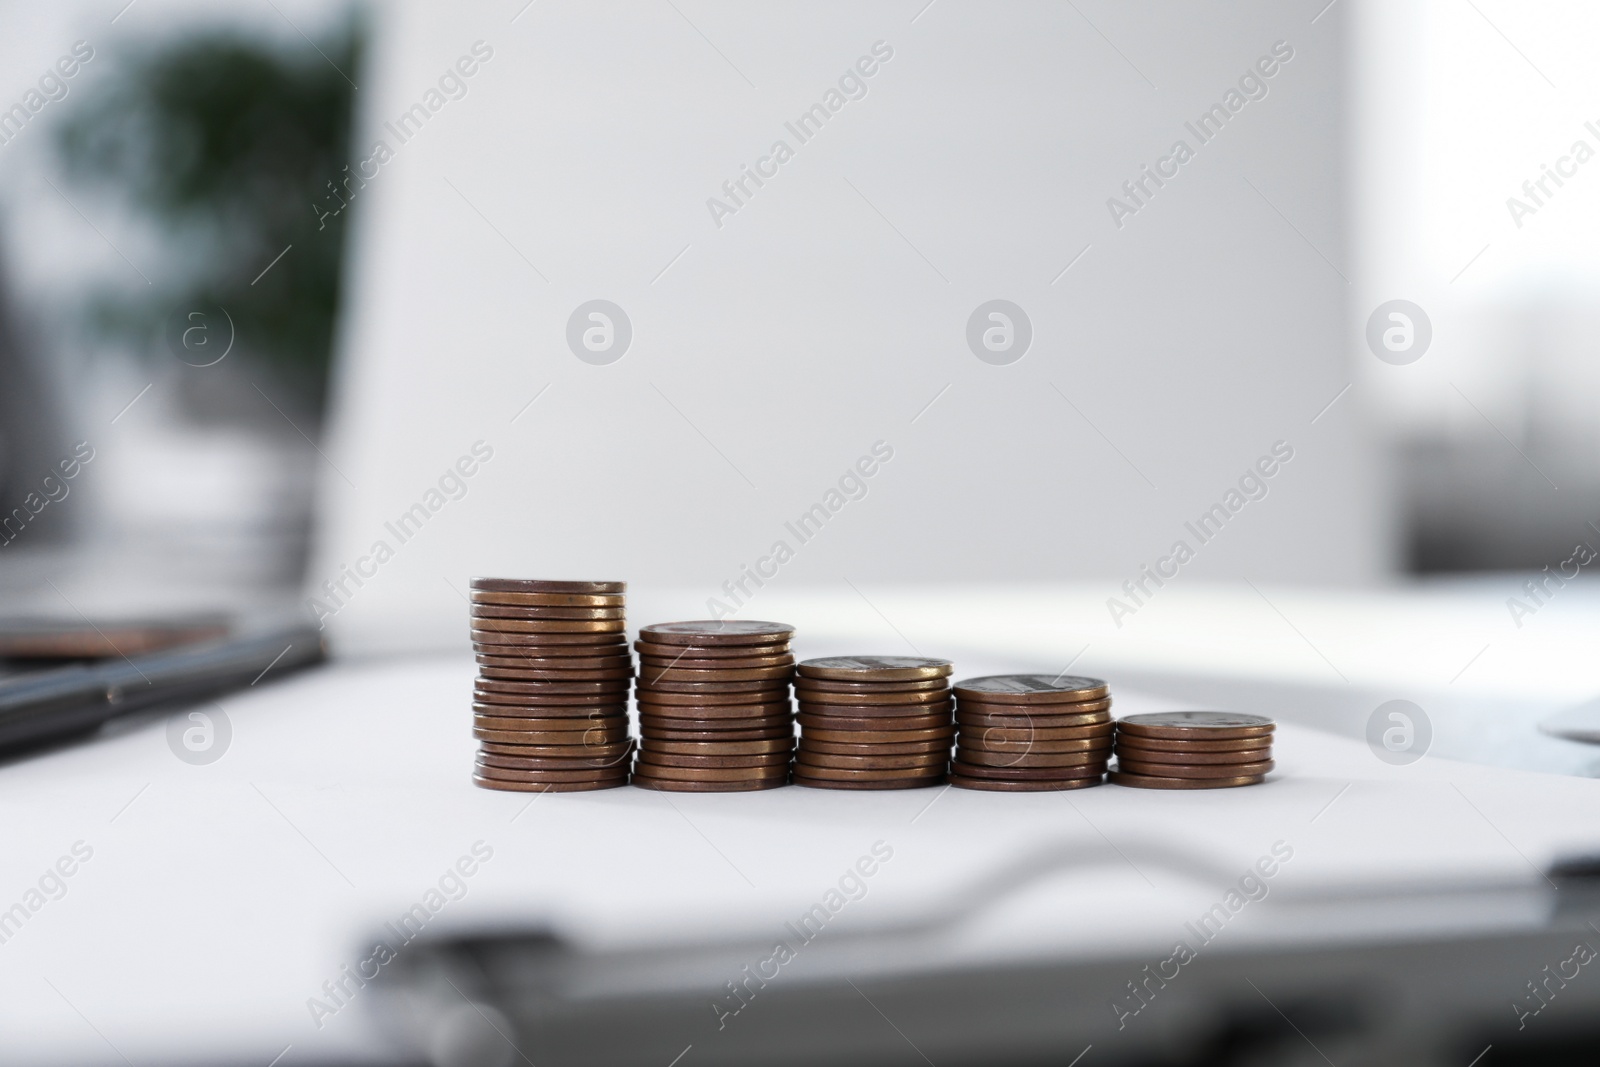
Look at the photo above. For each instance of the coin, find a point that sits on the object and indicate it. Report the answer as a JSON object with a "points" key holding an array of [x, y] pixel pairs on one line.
{"points": [[979, 770], [1158, 744], [1030, 688], [717, 632], [861, 737], [574, 726], [656, 676], [981, 743], [552, 763], [504, 643], [1033, 759], [1022, 735], [574, 713], [548, 687], [827, 685], [897, 723], [1022, 785], [738, 663], [1195, 770], [875, 668], [597, 735], [1221, 759], [874, 711], [747, 723], [614, 748], [551, 600], [927, 696], [574, 703], [547, 787], [651, 732], [1024, 721], [1184, 725], [600, 774], [809, 743], [558, 658], [724, 748], [1065, 707], [548, 626], [716, 712], [655, 648], [716, 774], [925, 761], [680, 786], [673, 759], [508, 722], [505, 611], [768, 695], [532, 585], [811, 770], [503, 674], [866, 783], [1142, 781]]}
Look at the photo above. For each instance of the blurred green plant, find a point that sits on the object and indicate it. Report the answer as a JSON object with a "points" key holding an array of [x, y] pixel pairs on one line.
{"points": [[226, 143]]}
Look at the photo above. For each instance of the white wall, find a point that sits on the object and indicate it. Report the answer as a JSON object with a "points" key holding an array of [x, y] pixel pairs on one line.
{"points": [[831, 309]]}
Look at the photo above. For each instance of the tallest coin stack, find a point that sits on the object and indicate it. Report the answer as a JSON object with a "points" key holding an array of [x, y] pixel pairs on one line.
{"points": [[550, 707]]}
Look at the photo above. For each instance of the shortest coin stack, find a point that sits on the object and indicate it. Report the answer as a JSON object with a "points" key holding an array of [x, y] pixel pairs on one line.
{"points": [[714, 713], [873, 722], [1193, 750], [1031, 732], [550, 707]]}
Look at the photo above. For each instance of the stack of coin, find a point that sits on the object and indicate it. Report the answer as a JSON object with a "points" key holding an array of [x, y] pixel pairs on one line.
{"points": [[550, 707], [873, 722], [714, 711], [1031, 732], [1193, 750]]}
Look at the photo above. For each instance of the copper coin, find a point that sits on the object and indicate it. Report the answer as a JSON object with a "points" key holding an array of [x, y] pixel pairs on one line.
{"points": [[826, 685], [1183, 725], [548, 626], [752, 722], [1000, 735], [732, 663], [502, 674], [548, 787], [816, 782], [979, 743], [539, 585], [506, 611], [887, 723], [673, 786], [574, 725], [565, 705], [1142, 781], [556, 712], [1022, 785], [875, 668], [552, 763], [551, 600], [1068, 707], [716, 711], [875, 712], [672, 759], [615, 748], [1034, 759], [498, 643], [546, 737], [656, 676], [619, 684], [716, 774], [859, 699], [833, 748], [1031, 688], [1195, 770], [743, 696], [765, 733], [979, 770], [717, 632], [1223, 759], [564, 658], [594, 774], [928, 762], [898, 737], [731, 685], [724, 748], [655, 648], [508, 722], [967, 717], [1157, 744], [811, 770]]}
